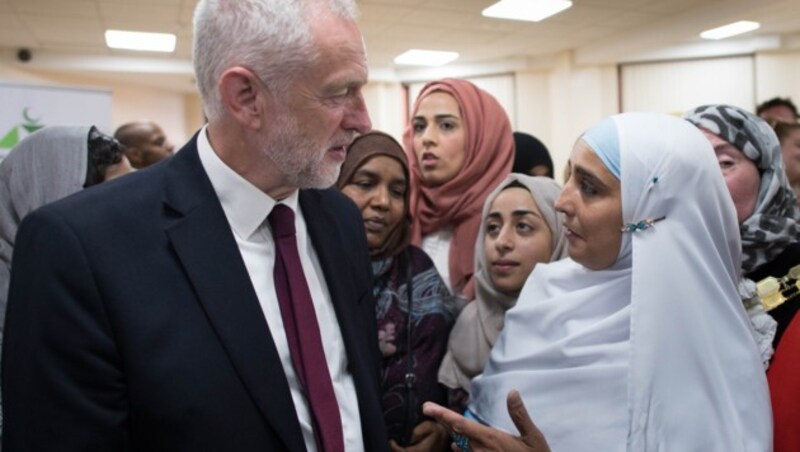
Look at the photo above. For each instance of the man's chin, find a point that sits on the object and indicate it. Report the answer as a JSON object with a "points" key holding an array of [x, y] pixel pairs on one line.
{"points": [[320, 179]]}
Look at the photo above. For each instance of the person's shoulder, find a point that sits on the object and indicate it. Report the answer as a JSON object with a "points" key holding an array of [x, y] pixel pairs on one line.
{"points": [[327, 196], [466, 321], [779, 266], [425, 273], [137, 185], [133, 198], [793, 250], [136, 189], [419, 256], [331, 200]]}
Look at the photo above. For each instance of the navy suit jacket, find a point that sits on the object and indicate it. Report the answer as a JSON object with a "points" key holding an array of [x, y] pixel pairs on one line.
{"points": [[132, 323]]}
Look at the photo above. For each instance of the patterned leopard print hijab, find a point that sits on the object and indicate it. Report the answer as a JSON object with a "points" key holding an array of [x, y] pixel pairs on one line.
{"points": [[773, 224]]}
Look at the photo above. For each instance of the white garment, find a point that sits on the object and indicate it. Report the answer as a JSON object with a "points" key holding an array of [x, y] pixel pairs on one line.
{"points": [[437, 246], [246, 208], [656, 352]]}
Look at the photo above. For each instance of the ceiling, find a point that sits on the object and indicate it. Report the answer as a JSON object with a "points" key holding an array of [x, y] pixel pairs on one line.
{"points": [[67, 35]]}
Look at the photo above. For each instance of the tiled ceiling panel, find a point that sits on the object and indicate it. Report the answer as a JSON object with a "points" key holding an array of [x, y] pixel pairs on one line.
{"points": [[393, 26]]}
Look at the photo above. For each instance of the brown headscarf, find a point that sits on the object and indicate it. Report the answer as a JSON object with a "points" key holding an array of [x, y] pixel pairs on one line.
{"points": [[362, 150], [489, 155]]}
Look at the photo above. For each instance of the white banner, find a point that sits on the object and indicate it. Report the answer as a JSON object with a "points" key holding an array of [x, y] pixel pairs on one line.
{"points": [[25, 109]]}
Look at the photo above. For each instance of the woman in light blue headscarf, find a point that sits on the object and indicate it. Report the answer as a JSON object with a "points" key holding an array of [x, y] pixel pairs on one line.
{"points": [[638, 341]]}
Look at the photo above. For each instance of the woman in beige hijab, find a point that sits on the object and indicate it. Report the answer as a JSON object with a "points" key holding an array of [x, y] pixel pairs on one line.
{"points": [[519, 228]]}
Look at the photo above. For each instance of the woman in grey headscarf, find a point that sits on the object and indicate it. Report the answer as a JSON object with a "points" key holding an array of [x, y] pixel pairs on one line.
{"points": [[45, 167], [749, 154], [770, 243], [481, 321]]}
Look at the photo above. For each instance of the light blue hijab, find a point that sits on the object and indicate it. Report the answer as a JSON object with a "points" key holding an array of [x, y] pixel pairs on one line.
{"points": [[603, 138]]}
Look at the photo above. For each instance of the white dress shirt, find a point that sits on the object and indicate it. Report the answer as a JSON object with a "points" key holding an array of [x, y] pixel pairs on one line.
{"points": [[437, 246], [246, 208]]}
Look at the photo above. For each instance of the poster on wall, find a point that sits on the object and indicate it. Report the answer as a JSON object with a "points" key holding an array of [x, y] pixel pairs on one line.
{"points": [[25, 109]]}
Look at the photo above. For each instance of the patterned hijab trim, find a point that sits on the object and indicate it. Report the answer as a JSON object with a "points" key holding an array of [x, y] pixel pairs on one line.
{"points": [[773, 224]]}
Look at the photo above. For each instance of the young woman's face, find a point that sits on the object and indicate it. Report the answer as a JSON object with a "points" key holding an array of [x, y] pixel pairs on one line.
{"points": [[517, 238], [378, 188], [790, 146], [740, 173], [438, 138], [592, 203]]}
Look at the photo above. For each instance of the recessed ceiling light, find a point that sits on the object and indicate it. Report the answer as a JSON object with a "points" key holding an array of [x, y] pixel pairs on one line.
{"points": [[530, 10], [416, 57], [138, 40], [726, 31]]}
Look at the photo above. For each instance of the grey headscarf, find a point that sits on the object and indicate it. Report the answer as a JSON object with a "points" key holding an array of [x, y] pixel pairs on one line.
{"points": [[773, 224], [44, 167], [481, 321]]}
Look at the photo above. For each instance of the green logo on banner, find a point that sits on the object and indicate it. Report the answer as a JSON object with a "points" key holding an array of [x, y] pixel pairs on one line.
{"points": [[13, 136]]}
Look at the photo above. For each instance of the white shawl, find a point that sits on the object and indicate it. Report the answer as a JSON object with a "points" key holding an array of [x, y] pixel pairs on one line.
{"points": [[656, 352]]}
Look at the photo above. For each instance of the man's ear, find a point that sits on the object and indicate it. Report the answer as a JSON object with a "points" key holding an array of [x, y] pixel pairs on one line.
{"points": [[134, 155], [243, 95]]}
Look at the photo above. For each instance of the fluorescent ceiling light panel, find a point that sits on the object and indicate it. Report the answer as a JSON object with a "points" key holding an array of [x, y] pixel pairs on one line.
{"points": [[530, 10], [726, 31], [415, 57], [138, 40]]}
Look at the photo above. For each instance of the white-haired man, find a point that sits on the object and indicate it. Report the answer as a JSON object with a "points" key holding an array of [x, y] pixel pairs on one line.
{"points": [[221, 300]]}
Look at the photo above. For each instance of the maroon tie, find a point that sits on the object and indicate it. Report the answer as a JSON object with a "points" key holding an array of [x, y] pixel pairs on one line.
{"points": [[297, 311]]}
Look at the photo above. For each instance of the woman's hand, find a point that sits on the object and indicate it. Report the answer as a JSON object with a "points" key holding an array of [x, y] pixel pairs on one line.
{"points": [[483, 438], [427, 436]]}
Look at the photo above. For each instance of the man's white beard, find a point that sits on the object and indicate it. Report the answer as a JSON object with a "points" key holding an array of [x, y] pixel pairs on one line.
{"points": [[300, 160]]}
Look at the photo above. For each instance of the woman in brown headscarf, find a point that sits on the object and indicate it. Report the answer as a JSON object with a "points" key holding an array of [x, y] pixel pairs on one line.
{"points": [[460, 147], [412, 329]]}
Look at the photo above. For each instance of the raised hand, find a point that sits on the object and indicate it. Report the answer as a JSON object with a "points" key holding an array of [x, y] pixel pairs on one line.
{"points": [[483, 438]]}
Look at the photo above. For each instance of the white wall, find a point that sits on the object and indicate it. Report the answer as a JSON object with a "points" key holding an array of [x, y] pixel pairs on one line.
{"points": [[677, 86], [555, 102], [385, 104], [129, 102], [778, 75], [500, 86], [580, 96]]}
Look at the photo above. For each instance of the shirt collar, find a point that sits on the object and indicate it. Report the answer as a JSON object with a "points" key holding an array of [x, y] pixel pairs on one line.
{"points": [[245, 206]]}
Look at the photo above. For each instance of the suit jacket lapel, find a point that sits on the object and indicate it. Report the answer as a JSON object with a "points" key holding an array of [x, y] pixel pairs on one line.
{"points": [[204, 243], [347, 295], [338, 274]]}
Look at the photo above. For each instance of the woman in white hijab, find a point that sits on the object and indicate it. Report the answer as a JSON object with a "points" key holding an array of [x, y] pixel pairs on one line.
{"points": [[639, 341], [481, 321]]}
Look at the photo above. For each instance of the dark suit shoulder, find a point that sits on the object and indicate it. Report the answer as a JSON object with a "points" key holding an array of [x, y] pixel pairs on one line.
{"points": [[129, 201], [333, 200], [334, 208]]}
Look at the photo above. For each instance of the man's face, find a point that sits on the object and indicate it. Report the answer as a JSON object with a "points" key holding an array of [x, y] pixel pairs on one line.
{"points": [[151, 146], [780, 113], [323, 110]]}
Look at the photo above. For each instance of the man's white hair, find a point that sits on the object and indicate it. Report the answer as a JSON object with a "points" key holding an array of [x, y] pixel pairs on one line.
{"points": [[272, 38]]}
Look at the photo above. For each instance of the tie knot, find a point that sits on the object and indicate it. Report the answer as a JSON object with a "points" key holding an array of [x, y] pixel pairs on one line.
{"points": [[281, 220]]}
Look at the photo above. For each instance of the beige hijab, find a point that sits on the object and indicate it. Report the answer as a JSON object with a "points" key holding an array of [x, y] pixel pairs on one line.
{"points": [[480, 322]]}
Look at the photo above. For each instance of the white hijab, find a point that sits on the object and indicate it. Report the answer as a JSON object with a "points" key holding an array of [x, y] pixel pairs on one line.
{"points": [[654, 353]]}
